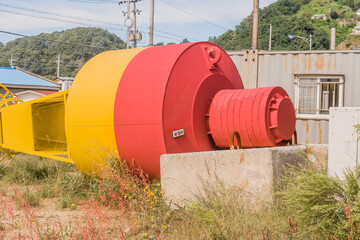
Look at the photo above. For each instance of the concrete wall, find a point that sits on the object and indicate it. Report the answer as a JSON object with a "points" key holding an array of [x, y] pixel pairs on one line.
{"points": [[344, 144]]}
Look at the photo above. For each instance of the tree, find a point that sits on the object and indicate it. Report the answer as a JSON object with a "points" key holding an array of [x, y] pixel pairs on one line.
{"points": [[39, 54], [334, 15], [356, 4], [289, 17], [351, 4]]}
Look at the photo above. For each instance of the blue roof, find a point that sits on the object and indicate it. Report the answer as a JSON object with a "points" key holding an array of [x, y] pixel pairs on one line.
{"points": [[15, 77]]}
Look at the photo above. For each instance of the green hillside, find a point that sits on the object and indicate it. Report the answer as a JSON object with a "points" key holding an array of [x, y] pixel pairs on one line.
{"points": [[39, 54], [295, 17]]}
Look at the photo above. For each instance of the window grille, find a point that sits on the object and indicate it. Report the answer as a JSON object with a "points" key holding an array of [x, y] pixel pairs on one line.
{"points": [[314, 95]]}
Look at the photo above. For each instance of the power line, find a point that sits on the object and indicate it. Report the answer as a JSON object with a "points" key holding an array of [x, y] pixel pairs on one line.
{"points": [[50, 40], [83, 19], [94, 1], [172, 38], [192, 14], [56, 19], [57, 14], [176, 35]]}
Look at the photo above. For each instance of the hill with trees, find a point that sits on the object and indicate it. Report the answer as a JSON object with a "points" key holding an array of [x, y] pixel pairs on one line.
{"points": [[295, 17], [39, 54]]}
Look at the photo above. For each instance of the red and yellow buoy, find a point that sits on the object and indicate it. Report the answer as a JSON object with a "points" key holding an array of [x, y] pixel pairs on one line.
{"points": [[142, 103], [138, 104]]}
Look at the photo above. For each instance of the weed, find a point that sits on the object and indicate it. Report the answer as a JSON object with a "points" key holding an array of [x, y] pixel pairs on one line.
{"points": [[317, 200], [357, 130], [122, 203], [31, 197], [27, 170]]}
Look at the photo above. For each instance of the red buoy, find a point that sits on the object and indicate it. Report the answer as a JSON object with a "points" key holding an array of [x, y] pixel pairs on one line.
{"points": [[183, 98]]}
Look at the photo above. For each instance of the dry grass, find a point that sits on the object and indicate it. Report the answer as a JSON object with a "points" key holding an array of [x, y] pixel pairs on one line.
{"points": [[45, 199]]}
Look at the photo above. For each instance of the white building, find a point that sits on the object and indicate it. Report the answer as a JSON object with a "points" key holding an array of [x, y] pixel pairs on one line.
{"points": [[319, 16], [65, 82], [33, 94]]}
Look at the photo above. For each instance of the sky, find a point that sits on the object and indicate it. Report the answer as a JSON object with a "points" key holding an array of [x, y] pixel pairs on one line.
{"points": [[174, 20]]}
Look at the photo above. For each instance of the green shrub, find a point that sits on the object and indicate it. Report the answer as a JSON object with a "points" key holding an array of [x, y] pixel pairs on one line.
{"points": [[325, 205], [334, 15], [357, 130], [26, 169]]}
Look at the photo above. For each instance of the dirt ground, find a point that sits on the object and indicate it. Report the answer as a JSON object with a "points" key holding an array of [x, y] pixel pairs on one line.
{"points": [[84, 220]]}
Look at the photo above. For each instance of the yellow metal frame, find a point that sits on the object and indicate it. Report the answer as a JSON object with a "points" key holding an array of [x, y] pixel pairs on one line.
{"points": [[20, 133], [7, 154], [7, 99]]}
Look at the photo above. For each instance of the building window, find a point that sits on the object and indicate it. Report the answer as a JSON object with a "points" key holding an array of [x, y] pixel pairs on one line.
{"points": [[314, 95]]}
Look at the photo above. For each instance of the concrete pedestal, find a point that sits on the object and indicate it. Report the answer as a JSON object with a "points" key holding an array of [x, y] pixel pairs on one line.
{"points": [[256, 171]]}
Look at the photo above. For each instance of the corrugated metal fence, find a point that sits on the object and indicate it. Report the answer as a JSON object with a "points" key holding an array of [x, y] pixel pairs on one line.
{"points": [[280, 68]]}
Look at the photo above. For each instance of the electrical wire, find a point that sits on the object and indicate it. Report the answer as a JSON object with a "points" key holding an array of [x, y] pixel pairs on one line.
{"points": [[94, 1], [59, 15], [194, 15], [83, 19], [56, 19]]}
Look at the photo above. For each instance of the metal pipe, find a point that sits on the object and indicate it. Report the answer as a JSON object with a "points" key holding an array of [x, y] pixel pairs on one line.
{"points": [[270, 37], [151, 27], [333, 39], [135, 11], [127, 28]]}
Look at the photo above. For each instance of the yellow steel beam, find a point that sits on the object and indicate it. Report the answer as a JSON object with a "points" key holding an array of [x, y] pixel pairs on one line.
{"points": [[36, 127]]}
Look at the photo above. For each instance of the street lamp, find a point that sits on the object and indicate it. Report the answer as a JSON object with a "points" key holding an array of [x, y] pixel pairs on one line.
{"points": [[309, 41]]}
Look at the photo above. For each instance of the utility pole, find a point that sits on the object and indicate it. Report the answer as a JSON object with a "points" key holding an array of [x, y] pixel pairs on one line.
{"points": [[128, 23], [131, 22], [151, 27], [255, 24], [135, 11], [270, 37], [58, 66], [129, 26], [12, 60]]}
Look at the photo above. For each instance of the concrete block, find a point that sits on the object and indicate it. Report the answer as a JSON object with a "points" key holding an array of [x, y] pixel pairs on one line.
{"points": [[344, 147], [256, 171]]}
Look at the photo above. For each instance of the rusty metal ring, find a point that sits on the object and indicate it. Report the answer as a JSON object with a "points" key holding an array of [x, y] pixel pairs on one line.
{"points": [[295, 139], [232, 147]]}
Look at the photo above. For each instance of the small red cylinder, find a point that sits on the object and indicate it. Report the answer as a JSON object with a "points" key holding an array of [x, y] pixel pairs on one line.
{"points": [[263, 117]]}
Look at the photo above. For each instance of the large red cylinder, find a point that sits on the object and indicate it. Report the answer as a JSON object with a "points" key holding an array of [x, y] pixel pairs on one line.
{"points": [[163, 98]]}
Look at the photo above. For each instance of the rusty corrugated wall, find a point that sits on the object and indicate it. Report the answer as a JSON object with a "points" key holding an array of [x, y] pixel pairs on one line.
{"points": [[279, 68]]}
